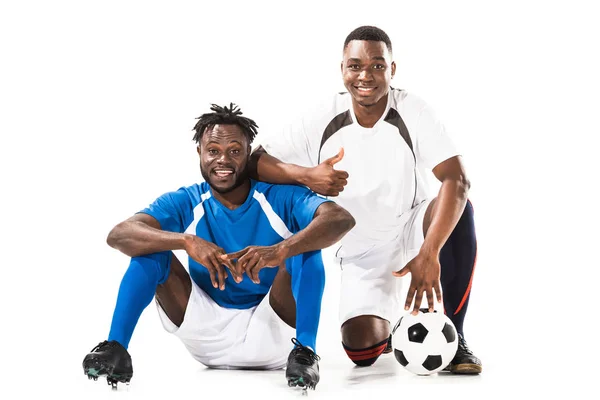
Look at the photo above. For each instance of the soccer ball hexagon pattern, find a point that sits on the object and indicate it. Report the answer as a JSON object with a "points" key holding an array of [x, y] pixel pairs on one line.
{"points": [[424, 343]]}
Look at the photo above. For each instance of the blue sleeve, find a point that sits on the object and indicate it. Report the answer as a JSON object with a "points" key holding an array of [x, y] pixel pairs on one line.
{"points": [[305, 206], [173, 210], [296, 205]]}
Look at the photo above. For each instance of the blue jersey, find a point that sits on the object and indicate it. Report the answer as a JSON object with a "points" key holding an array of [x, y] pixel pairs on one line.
{"points": [[270, 214]]}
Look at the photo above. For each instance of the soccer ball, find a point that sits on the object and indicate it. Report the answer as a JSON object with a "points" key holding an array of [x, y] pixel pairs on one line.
{"points": [[424, 343]]}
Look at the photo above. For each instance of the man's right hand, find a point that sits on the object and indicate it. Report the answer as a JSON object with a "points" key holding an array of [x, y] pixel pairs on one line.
{"points": [[325, 180], [212, 257]]}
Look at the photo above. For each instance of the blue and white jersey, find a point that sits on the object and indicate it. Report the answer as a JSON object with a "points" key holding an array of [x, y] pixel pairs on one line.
{"points": [[270, 214]]}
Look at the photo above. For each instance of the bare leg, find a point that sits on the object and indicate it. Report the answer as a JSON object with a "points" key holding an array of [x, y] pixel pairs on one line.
{"points": [[365, 331], [365, 338], [282, 299], [174, 294]]}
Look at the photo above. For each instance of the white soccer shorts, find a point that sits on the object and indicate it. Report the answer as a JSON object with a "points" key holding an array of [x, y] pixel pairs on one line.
{"points": [[226, 338], [368, 286]]}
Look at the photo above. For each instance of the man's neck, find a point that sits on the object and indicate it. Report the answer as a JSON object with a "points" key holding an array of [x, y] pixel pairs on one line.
{"points": [[235, 198], [368, 116]]}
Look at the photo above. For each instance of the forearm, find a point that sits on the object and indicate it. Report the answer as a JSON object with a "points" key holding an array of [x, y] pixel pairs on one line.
{"points": [[322, 232], [266, 168], [135, 238], [449, 206]]}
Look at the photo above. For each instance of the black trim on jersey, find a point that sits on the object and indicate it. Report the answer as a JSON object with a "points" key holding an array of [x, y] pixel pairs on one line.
{"points": [[394, 118], [337, 123]]}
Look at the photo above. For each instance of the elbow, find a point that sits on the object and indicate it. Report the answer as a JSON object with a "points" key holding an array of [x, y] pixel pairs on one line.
{"points": [[462, 185], [345, 221], [465, 184], [120, 238], [115, 235]]}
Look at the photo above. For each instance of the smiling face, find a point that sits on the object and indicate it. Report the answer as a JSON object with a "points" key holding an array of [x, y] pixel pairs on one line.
{"points": [[367, 70], [224, 152]]}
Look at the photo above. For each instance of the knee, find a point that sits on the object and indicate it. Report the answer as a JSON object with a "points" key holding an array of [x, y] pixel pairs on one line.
{"points": [[155, 264], [365, 338], [309, 263], [313, 260]]}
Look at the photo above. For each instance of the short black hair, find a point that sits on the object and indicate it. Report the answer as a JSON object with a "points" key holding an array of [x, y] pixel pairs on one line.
{"points": [[372, 33], [225, 116]]}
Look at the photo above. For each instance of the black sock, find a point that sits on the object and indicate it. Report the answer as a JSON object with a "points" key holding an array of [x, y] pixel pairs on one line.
{"points": [[457, 260]]}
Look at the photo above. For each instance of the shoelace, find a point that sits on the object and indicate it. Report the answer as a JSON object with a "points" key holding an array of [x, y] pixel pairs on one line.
{"points": [[462, 344], [101, 345], [305, 353]]}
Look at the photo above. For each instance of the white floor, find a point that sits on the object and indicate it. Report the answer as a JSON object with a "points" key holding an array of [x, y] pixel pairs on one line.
{"points": [[524, 351], [172, 375], [339, 379]]}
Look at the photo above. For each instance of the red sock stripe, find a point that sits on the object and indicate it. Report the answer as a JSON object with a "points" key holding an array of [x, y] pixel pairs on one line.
{"points": [[365, 354], [462, 302]]}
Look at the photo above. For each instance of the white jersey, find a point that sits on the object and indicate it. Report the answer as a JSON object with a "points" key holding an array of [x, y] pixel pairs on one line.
{"points": [[386, 163]]}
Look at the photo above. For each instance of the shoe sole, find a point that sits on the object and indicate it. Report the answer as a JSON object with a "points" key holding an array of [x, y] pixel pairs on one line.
{"points": [[466, 369], [300, 382], [95, 368]]}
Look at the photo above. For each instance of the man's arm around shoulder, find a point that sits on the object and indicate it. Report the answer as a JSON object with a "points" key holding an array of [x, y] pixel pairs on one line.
{"points": [[330, 223], [322, 179]]}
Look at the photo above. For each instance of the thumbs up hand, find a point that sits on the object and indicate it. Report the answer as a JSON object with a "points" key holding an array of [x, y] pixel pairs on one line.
{"points": [[335, 159], [325, 180]]}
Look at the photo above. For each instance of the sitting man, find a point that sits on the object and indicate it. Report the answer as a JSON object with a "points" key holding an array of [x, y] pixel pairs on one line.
{"points": [[255, 265]]}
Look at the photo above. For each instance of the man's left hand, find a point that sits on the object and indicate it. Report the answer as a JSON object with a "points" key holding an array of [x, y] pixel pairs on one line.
{"points": [[424, 278], [254, 258]]}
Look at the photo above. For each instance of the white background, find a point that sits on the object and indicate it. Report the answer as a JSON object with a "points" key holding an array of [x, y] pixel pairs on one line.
{"points": [[97, 103]]}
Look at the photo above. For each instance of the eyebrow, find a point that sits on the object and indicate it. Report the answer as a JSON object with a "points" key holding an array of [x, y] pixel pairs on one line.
{"points": [[378, 58], [215, 142]]}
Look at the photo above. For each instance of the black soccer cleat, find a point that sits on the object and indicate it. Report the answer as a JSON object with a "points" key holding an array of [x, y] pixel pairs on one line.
{"points": [[302, 367], [110, 359], [464, 362]]}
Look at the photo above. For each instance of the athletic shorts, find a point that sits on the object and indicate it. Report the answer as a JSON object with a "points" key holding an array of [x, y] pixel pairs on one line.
{"points": [[227, 338], [368, 286]]}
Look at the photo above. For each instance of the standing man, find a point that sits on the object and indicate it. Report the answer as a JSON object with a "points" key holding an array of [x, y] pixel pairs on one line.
{"points": [[255, 266], [381, 141]]}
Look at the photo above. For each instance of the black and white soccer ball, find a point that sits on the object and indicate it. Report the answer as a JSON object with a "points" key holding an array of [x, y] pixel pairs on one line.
{"points": [[424, 343]]}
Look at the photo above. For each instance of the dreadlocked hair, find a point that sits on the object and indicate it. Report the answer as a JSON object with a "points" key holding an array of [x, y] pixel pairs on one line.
{"points": [[225, 116]]}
